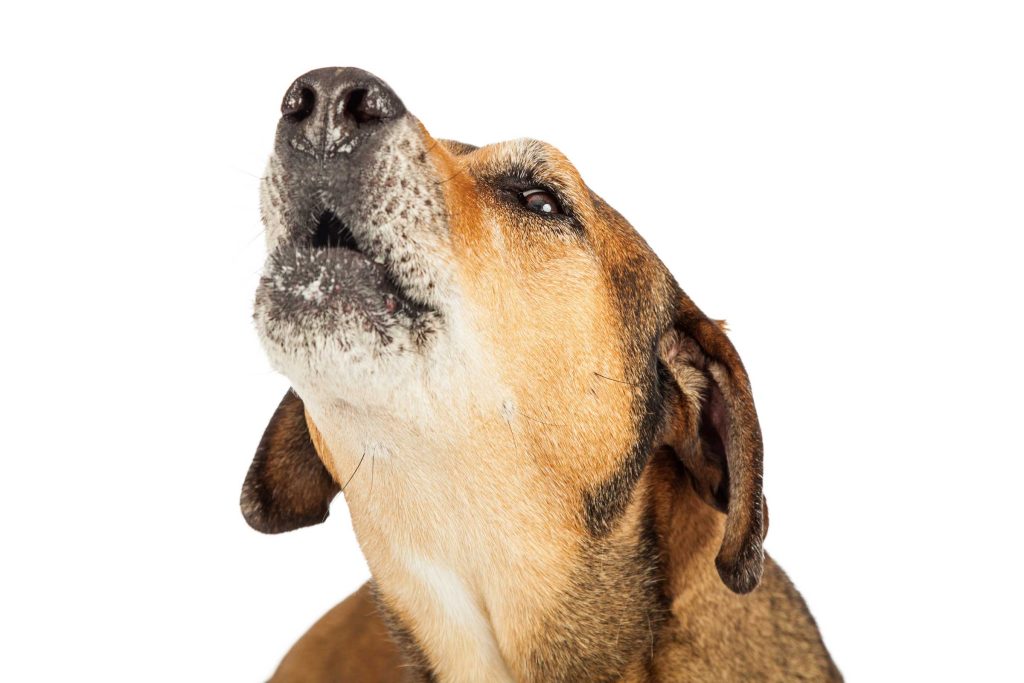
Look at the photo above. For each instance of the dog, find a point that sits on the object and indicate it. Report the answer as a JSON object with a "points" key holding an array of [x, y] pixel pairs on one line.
{"points": [[551, 455]]}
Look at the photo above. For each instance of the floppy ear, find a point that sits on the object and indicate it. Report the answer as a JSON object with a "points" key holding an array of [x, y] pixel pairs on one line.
{"points": [[287, 486], [713, 429]]}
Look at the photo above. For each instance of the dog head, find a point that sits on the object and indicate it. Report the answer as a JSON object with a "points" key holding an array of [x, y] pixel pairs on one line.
{"points": [[479, 316]]}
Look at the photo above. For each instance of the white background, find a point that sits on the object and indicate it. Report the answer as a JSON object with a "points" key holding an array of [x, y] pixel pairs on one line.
{"points": [[844, 184]]}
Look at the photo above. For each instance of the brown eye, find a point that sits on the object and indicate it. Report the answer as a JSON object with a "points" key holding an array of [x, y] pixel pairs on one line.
{"points": [[541, 201]]}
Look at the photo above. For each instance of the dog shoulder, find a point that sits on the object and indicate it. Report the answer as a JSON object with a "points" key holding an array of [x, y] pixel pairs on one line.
{"points": [[349, 643], [768, 635]]}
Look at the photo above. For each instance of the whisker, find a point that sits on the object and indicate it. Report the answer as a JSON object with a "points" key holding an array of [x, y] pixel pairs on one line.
{"points": [[358, 465], [515, 443], [373, 469], [255, 237], [533, 419], [452, 177], [242, 171], [612, 379]]}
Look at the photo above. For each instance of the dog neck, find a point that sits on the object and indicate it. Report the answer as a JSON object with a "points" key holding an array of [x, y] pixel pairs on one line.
{"points": [[498, 579]]}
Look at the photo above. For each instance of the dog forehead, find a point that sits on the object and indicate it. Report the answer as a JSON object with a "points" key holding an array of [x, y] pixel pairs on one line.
{"points": [[536, 158]]}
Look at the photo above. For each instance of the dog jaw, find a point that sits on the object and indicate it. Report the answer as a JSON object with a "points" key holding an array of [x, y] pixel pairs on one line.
{"points": [[334, 319]]}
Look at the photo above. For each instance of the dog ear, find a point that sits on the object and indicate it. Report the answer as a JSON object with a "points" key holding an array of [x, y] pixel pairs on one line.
{"points": [[713, 429], [287, 486]]}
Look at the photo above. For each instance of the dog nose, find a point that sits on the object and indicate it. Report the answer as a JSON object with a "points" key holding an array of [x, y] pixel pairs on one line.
{"points": [[329, 109]]}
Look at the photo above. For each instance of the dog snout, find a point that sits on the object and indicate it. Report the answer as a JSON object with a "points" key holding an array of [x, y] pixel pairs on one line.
{"points": [[326, 111]]}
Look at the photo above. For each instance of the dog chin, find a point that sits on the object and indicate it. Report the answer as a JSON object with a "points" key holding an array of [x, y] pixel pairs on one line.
{"points": [[327, 316]]}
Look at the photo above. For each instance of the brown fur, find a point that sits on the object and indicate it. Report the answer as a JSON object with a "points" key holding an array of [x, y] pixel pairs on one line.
{"points": [[287, 486], [589, 497], [715, 634], [356, 623]]}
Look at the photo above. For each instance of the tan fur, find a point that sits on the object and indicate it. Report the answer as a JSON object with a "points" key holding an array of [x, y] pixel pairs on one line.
{"points": [[321, 448], [581, 500], [712, 634]]}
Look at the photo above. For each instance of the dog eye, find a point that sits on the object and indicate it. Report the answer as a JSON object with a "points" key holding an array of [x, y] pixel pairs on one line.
{"points": [[541, 201]]}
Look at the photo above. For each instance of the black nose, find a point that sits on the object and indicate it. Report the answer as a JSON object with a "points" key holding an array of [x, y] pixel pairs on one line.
{"points": [[326, 110]]}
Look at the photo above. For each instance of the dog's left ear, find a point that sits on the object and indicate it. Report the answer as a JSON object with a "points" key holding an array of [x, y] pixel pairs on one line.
{"points": [[287, 486], [713, 428]]}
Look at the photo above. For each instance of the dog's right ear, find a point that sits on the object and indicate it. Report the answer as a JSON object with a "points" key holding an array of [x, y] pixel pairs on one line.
{"points": [[287, 486]]}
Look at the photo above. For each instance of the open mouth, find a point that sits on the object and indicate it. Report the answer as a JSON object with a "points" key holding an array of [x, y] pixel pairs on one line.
{"points": [[332, 237], [332, 233], [338, 272]]}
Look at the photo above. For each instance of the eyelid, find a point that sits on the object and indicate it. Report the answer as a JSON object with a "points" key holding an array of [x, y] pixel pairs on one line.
{"points": [[524, 184]]}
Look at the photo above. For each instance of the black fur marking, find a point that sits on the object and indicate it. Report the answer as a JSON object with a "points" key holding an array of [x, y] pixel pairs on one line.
{"points": [[604, 504], [632, 289]]}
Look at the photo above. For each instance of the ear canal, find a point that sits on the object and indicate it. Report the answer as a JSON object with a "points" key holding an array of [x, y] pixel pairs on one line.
{"points": [[287, 486], [740, 559]]}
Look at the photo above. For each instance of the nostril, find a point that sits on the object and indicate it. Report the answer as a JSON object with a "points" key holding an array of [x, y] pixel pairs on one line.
{"points": [[298, 103], [354, 106]]}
